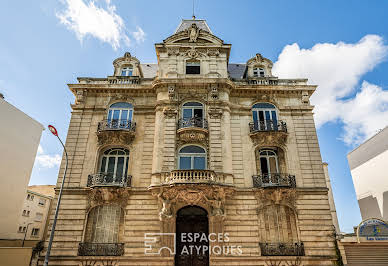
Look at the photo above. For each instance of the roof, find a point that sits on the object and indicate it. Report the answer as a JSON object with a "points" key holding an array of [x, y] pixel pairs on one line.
{"points": [[149, 70], [369, 149], [236, 71], [45, 190], [186, 23]]}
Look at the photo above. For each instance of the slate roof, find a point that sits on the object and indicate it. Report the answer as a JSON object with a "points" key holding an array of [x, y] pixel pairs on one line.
{"points": [[186, 23]]}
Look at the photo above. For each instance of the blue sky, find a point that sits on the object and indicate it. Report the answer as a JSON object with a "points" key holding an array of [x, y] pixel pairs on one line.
{"points": [[339, 45]]}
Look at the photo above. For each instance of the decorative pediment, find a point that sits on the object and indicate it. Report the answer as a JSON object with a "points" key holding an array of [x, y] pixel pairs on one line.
{"points": [[270, 196], [127, 61], [193, 35], [107, 195], [259, 62], [269, 138]]}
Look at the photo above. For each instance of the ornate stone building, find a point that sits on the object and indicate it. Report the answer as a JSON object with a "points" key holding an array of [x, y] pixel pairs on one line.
{"points": [[193, 144]]}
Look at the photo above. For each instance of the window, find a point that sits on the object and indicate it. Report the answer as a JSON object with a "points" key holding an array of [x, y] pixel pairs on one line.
{"points": [[193, 67], [192, 157], [114, 164], [127, 71], [264, 117], [39, 216], [258, 72], [120, 115], [42, 202], [268, 162], [35, 232], [104, 224], [30, 197]]}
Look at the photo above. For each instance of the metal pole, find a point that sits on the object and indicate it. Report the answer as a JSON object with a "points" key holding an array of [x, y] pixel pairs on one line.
{"points": [[25, 233], [46, 258]]}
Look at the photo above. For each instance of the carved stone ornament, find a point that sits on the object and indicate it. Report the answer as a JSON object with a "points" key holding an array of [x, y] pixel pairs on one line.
{"points": [[215, 112], [269, 138], [123, 137], [269, 196], [192, 53], [193, 32], [170, 112], [210, 196], [80, 95], [190, 135], [171, 92], [213, 52], [305, 97], [173, 51], [99, 262], [108, 195], [214, 94]]}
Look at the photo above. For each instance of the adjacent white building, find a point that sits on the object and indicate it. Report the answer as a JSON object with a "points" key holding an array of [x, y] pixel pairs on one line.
{"points": [[369, 168], [19, 140]]}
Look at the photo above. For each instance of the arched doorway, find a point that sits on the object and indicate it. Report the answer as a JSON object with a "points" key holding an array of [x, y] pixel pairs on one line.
{"points": [[192, 231]]}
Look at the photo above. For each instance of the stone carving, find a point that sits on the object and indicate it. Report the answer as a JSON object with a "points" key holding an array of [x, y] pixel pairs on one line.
{"points": [[192, 53], [80, 96], [284, 196], [189, 135], [171, 92], [107, 195], [305, 97], [214, 92], [213, 52], [98, 263], [193, 32], [211, 196], [215, 112], [269, 138], [124, 137], [170, 112], [173, 51]]}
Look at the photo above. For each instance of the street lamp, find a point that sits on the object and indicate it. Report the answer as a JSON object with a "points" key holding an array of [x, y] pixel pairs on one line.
{"points": [[54, 131]]}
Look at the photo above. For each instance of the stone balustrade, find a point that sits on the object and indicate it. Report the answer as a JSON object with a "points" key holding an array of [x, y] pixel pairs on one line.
{"points": [[192, 176]]}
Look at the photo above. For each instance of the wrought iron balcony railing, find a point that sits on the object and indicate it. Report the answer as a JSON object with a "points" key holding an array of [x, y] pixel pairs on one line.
{"points": [[192, 122], [108, 180], [282, 249], [192, 176], [274, 180], [116, 124], [101, 249], [268, 125]]}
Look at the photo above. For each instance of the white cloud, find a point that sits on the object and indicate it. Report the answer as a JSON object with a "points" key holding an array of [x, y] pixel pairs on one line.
{"points": [[337, 69], [45, 160], [139, 35], [101, 22]]}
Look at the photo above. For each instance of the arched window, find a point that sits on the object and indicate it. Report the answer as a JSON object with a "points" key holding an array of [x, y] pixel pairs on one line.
{"points": [[120, 115], [258, 72], [104, 224], [278, 224], [192, 157], [264, 117], [268, 162], [127, 71], [114, 165]]}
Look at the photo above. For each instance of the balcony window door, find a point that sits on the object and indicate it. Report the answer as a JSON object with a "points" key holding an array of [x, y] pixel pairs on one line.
{"points": [[114, 165], [192, 157], [264, 117], [268, 162], [120, 115], [192, 114], [258, 72], [127, 71]]}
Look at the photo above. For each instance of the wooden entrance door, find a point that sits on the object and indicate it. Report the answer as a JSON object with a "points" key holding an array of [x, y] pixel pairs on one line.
{"points": [[190, 251]]}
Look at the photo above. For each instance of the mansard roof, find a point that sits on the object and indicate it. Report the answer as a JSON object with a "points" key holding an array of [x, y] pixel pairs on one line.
{"points": [[186, 23]]}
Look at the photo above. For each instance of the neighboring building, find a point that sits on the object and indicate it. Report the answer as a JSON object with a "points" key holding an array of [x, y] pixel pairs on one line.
{"points": [[193, 144], [367, 165], [19, 140], [33, 217]]}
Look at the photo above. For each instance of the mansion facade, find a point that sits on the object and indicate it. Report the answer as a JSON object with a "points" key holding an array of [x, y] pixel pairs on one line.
{"points": [[193, 145]]}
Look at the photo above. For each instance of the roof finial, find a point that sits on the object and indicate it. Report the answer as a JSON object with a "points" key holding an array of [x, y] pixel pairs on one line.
{"points": [[193, 11]]}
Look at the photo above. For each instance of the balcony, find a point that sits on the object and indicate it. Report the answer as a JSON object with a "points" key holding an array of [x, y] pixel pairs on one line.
{"points": [[192, 130], [274, 180], [122, 80], [268, 132], [108, 180], [191, 177], [282, 249], [116, 131], [101, 249]]}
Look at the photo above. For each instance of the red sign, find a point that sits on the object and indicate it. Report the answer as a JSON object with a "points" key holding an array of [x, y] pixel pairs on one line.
{"points": [[53, 130]]}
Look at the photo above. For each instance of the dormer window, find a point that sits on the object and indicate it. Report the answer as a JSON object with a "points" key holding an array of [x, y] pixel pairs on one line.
{"points": [[127, 71], [193, 67], [258, 72]]}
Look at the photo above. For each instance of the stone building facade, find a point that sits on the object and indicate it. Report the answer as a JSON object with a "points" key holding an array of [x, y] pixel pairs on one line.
{"points": [[193, 144]]}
